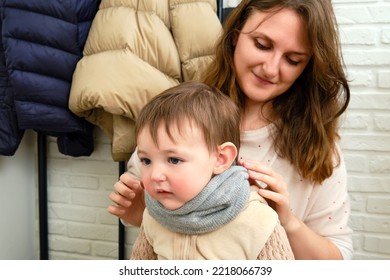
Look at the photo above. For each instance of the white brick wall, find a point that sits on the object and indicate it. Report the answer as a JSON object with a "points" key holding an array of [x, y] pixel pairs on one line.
{"points": [[365, 34], [78, 188], [79, 225]]}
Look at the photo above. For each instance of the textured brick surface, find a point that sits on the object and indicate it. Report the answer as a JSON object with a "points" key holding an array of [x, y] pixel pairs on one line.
{"points": [[364, 29]]}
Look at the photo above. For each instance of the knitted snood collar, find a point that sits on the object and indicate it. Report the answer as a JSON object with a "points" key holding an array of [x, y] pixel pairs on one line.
{"points": [[217, 204]]}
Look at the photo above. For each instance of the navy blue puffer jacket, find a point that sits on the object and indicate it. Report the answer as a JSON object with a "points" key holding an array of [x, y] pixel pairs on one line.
{"points": [[43, 41], [10, 135]]}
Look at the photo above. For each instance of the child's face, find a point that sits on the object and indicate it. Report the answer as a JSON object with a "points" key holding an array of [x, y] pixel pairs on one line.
{"points": [[175, 172]]}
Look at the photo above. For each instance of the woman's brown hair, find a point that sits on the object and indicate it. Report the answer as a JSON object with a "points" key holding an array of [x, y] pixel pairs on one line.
{"points": [[308, 112]]}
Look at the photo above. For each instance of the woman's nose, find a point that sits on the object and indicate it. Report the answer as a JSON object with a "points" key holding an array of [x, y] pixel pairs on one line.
{"points": [[271, 65]]}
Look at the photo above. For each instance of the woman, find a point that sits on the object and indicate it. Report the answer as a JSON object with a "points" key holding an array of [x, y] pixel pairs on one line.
{"points": [[280, 61]]}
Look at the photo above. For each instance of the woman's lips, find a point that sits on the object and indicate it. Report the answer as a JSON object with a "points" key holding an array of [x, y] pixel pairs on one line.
{"points": [[263, 81]]}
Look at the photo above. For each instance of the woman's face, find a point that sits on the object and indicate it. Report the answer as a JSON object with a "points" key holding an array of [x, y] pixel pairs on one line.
{"points": [[270, 53]]}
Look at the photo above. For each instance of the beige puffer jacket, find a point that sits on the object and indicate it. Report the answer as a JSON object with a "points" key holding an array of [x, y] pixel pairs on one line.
{"points": [[136, 49]]}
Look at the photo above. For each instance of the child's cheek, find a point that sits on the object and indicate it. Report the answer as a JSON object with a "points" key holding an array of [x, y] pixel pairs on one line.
{"points": [[147, 186], [179, 182]]}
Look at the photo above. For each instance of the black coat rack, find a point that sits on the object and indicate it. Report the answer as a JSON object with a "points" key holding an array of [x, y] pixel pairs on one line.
{"points": [[121, 227], [42, 197]]}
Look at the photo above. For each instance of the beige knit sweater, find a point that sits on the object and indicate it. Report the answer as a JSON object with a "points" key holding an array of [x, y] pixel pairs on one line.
{"points": [[276, 248], [254, 234]]}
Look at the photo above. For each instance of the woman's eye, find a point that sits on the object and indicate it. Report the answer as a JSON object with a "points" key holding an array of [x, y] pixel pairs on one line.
{"points": [[292, 62], [145, 161], [261, 46], [174, 160]]}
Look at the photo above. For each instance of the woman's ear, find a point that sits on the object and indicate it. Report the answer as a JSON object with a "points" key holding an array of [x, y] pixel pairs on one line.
{"points": [[227, 153]]}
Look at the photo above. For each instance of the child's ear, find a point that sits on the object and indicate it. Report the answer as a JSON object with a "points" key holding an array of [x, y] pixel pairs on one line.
{"points": [[227, 153]]}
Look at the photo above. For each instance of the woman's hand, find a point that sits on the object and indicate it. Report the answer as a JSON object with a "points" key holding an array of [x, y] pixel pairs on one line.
{"points": [[128, 195], [273, 188], [305, 243]]}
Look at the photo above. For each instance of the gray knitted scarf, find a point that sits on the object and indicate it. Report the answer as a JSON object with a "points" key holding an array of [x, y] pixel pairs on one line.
{"points": [[216, 205]]}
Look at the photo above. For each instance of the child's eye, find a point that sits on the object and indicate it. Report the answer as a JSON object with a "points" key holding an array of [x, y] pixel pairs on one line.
{"points": [[174, 160], [145, 161]]}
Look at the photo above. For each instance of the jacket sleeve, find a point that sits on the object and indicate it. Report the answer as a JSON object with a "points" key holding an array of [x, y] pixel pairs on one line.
{"points": [[142, 250], [195, 29], [277, 247], [10, 134]]}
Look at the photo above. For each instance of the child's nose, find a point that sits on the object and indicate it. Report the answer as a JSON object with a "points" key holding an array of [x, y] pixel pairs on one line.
{"points": [[158, 174]]}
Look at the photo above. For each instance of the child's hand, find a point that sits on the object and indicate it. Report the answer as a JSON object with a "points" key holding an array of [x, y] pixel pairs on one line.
{"points": [[128, 195]]}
